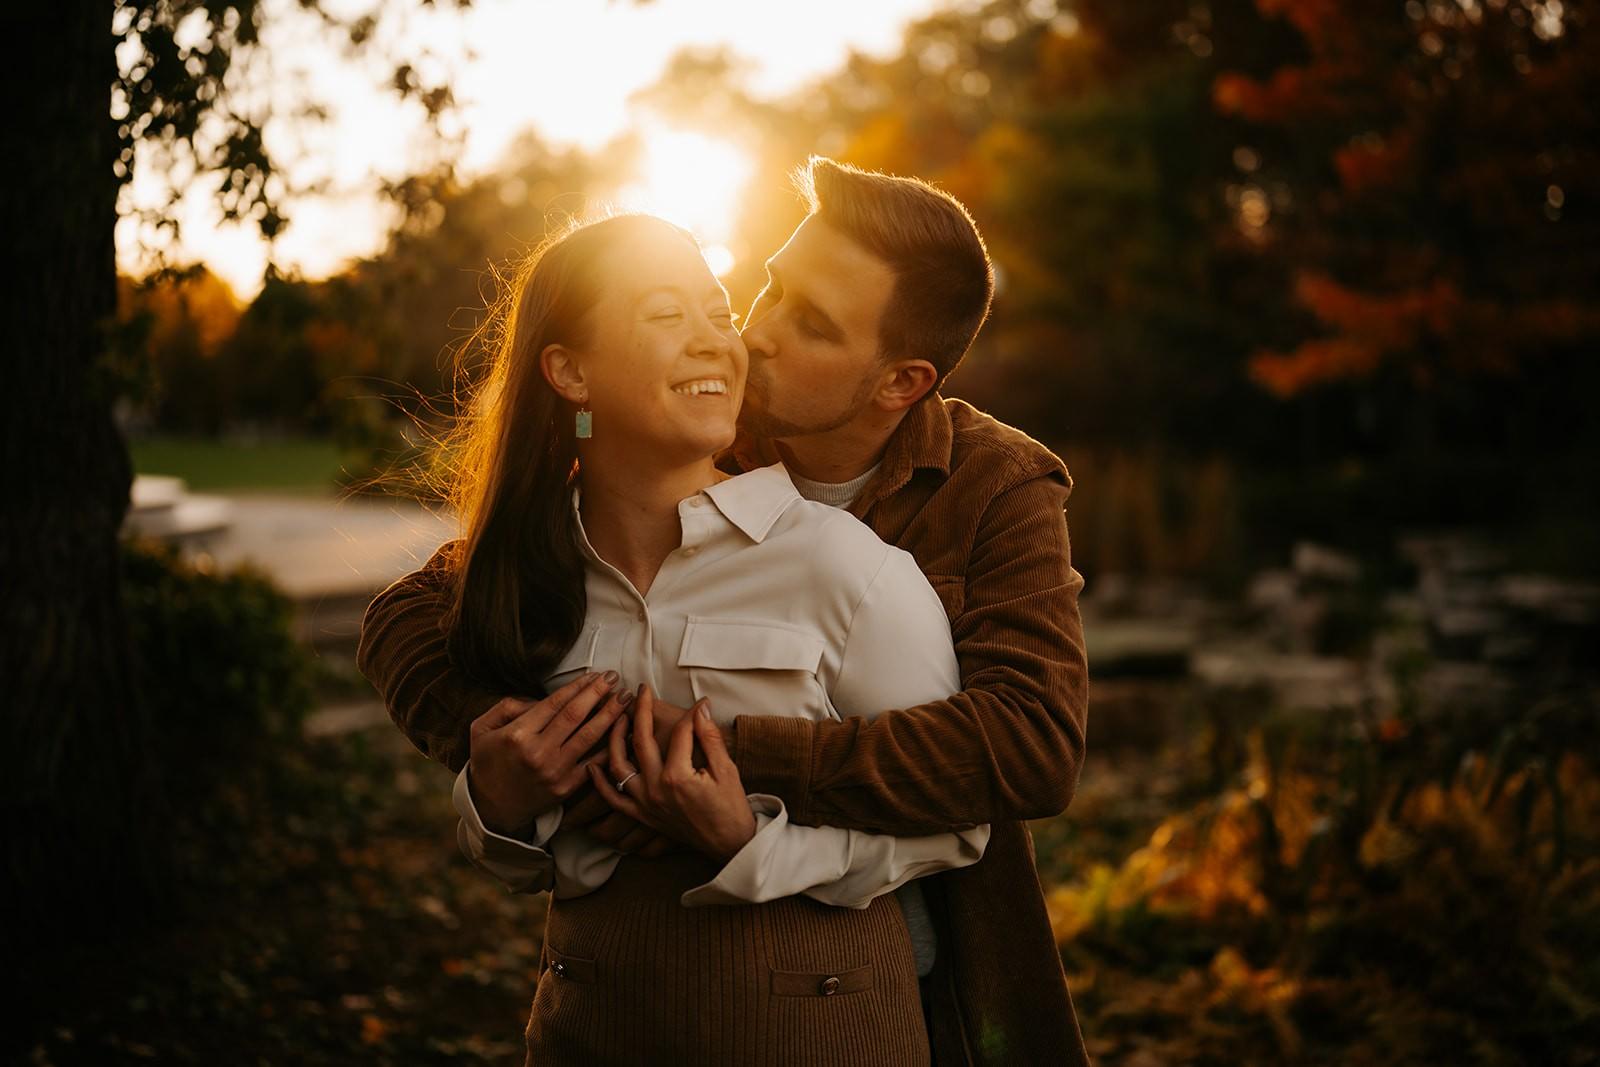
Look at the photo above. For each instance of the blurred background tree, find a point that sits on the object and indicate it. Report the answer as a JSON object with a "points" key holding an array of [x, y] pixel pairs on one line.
{"points": [[1268, 270], [82, 800], [1276, 269]]}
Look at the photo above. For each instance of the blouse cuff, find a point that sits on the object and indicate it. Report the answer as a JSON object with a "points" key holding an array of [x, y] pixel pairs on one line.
{"points": [[524, 866], [740, 881]]}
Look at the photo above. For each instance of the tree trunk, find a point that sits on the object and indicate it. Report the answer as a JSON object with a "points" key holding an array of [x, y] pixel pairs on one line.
{"points": [[74, 794]]}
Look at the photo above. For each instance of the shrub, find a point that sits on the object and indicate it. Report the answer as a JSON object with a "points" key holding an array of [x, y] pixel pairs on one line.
{"points": [[1413, 889], [222, 676]]}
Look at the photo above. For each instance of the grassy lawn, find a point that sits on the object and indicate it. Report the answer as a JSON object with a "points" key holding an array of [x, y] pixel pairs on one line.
{"points": [[300, 464]]}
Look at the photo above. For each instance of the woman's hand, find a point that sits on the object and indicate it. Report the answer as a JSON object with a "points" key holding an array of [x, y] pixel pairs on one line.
{"points": [[528, 757], [588, 811], [705, 808]]}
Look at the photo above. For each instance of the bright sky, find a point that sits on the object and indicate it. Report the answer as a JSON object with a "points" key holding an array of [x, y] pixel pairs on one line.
{"points": [[562, 67]]}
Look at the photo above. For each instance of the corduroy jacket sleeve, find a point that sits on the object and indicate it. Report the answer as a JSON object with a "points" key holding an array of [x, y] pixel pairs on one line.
{"points": [[402, 653], [1009, 746]]}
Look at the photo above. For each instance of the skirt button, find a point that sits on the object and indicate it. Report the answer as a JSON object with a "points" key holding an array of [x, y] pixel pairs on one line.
{"points": [[830, 986]]}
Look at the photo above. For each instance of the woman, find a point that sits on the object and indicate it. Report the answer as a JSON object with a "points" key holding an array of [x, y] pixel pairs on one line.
{"points": [[619, 355]]}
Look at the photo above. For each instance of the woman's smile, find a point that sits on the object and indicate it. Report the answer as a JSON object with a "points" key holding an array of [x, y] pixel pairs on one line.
{"points": [[699, 387]]}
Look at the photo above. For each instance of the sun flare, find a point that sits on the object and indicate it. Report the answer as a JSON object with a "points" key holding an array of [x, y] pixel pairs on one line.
{"points": [[694, 180]]}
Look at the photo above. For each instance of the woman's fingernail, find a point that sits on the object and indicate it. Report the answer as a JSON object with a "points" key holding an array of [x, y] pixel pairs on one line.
{"points": [[611, 677], [624, 698], [705, 709]]}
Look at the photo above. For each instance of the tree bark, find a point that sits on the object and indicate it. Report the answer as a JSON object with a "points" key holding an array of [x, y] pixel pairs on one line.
{"points": [[75, 794]]}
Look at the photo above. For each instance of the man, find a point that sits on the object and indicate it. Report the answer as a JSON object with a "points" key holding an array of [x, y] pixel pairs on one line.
{"points": [[873, 301]]}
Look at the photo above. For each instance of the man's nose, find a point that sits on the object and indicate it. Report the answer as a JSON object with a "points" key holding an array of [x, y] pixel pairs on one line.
{"points": [[757, 341]]}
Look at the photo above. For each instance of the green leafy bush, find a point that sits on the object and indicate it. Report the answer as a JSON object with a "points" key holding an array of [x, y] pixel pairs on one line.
{"points": [[216, 661]]}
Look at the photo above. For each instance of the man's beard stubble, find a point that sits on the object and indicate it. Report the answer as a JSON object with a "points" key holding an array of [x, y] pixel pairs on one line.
{"points": [[759, 420]]}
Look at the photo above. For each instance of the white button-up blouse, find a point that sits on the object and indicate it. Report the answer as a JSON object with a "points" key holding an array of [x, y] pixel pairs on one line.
{"points": [[771, 605]]}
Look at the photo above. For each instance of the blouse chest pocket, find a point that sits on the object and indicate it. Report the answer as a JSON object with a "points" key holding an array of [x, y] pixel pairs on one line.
{"points": [[578, 660], [754, 668]]}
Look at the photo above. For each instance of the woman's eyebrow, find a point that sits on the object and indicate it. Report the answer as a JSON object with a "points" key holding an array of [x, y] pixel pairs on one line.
{"points": [[658, 290]]}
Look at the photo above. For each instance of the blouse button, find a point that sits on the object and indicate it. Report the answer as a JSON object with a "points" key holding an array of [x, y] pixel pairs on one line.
{"points": [[691, 550], [830, 986], [642, 616], [697, 502]]}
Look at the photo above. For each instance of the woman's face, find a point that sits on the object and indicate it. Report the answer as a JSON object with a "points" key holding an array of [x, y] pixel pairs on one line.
{"points": [[664, 368]]}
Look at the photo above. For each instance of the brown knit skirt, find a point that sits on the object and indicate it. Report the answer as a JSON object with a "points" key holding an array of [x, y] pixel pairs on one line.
{"points": [[631, 976]]}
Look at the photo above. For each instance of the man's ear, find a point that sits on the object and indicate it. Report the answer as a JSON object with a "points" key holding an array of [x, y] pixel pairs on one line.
{"points": [[904, 382], [561, 369]]}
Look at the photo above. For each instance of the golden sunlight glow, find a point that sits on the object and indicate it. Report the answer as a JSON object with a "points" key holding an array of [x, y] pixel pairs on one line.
{"points": [[719, 258], [694, 180], [581, 94]]}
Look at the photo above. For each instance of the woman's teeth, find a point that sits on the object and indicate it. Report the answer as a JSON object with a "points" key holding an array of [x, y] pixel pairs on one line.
{"points": [[709, 385]]}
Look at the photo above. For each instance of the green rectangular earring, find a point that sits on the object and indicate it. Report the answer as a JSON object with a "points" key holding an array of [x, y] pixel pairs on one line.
{"points": [[585, 424]]}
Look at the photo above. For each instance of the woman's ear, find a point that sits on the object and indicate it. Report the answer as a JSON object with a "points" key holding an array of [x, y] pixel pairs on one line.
{"points": [[560, 366]]}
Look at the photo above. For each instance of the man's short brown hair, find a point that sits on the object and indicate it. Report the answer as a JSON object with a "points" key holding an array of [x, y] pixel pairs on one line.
{"points": [[943, 278]]}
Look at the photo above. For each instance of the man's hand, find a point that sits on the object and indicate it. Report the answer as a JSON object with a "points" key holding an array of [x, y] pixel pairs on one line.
{"points": [[527, 757], [704, 807], [587, 810], [664, 717]]}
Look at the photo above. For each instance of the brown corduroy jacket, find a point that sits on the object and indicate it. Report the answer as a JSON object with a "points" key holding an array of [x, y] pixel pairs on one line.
{"points": [[981, 507]]}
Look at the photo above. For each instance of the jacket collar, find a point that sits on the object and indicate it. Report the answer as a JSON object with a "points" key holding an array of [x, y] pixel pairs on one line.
{"points": [[922, 441]]}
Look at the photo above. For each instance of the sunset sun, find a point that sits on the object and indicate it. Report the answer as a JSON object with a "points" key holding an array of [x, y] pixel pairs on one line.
{"points": [[694, 180]]}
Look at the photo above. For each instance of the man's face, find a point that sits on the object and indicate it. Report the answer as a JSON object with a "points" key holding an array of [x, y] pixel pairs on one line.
{"points": [[813, 334]]}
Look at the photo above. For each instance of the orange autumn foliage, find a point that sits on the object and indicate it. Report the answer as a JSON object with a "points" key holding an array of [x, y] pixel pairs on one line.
{"points": [[1301, 92], [199, 301], [337, 345], [1317, 20], [880, 143], [1320, 88], [1067, 66], [1375, 163], [1393, 320], [1367, 328]]}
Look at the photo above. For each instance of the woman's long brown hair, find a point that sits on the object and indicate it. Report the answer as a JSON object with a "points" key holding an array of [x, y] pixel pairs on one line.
{"points": [[519, 599]]}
